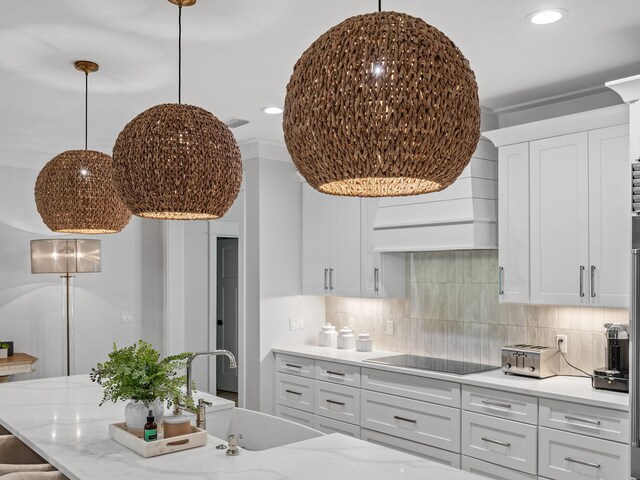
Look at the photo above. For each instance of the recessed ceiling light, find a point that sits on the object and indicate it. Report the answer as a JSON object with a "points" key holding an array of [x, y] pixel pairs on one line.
{"points": [[272, 110], [544, 17]]}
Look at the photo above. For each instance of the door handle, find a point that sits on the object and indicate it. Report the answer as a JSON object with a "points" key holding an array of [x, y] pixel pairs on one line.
{"points": [[404, 419], [496, 404], [582, 462], [497, 442], [335, 402], [500, 281], [375, 280], [326, 270], [581, 281], [331, 279], [581, 420], [220, 322], [293, 392], [593, 281]]}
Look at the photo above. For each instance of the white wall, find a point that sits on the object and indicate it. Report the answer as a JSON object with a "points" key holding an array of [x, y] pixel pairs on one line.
{"points": [[31, 305]]}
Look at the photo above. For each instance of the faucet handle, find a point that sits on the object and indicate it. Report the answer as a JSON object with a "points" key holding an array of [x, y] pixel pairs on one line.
{"points": [[202, 401]]}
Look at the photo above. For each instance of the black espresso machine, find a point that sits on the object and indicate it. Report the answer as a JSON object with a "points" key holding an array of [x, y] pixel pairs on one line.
{"points": [[615, 375]]}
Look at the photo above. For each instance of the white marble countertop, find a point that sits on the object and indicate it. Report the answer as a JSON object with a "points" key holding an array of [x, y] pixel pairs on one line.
{"points": [[570, 389], [60, 419]]}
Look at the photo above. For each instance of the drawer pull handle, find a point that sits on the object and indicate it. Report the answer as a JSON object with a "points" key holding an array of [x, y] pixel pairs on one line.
{"points": [[335, 402], [340, 374], [582, 462], [583, 420], [293, 392], [496, 404], [497, 442], [292, 365], [405, 419]]}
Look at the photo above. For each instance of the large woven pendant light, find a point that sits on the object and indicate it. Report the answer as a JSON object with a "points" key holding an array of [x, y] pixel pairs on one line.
{"points": [[177, 162], [382, 104], [75, 192]]}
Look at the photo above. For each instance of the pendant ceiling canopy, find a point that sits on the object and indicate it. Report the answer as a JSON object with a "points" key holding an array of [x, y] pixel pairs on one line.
{"points": [[74, 192], [177, 162], [382, 104]]}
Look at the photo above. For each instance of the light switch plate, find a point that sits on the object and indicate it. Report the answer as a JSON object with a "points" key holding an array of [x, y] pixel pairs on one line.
{"points": [[296, 323], [390, 327], [126, 317]]}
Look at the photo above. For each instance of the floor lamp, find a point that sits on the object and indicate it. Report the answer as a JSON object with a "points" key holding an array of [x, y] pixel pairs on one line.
{"points": [[66, 257]]}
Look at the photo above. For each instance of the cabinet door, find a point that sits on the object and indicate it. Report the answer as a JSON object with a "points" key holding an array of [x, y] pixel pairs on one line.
{"points": [[344, 278], [609, 226], [513, 223], [559, 220], [317, 238]]}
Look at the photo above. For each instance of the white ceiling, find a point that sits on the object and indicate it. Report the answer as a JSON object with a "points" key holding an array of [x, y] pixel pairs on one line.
{"points": [[238, 56]]}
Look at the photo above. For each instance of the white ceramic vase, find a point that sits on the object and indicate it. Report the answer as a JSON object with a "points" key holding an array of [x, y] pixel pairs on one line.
{"points": [[135, 413], [4, 353]]}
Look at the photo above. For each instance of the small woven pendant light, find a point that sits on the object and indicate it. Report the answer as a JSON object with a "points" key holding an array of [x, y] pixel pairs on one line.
{"points": [[74, 191], [381, 105], [177, 162]]}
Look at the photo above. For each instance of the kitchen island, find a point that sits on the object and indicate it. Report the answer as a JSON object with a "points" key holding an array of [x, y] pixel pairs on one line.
{"points": [[60, 419]]}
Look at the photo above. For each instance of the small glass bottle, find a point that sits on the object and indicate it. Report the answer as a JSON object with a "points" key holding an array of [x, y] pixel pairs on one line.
{"points": [[150, 428]]}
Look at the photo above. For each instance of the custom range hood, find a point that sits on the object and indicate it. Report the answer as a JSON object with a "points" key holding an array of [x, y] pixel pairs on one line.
{"points": [[461, 217]]}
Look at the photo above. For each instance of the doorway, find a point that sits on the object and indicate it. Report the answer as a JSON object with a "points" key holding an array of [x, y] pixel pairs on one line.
{"points": [[227, 315]]}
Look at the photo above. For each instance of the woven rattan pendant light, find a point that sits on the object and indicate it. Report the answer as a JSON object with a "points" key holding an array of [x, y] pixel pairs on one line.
{"points": [[177, 162], [382, 104], [74, 191]]}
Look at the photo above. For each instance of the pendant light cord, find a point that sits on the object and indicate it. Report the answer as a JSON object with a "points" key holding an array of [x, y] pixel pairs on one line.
{"points": [[379, 6], [179, 53], [86, 107]]}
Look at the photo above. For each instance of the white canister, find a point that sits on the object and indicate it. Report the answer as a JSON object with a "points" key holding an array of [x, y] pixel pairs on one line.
{"points": [[346, 340], [364, 342], [328, 337]]}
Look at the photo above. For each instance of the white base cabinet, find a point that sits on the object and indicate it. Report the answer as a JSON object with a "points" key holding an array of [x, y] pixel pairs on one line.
{"points": [[495, 472]]}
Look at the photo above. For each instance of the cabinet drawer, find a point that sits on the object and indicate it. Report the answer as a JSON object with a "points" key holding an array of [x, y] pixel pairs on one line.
{"points": [[512, 406], [425, 451], [422, 422], [412, 386], [305, 367], [294, 415], [585, 420], [293, 391], [507, 443], [337, 402], [328, 425], [490, 470], [338, 373], [567, 456]]}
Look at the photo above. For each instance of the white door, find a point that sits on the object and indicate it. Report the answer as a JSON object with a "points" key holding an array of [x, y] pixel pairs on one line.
{"points": [[371, 262], [513, 223], [559, 220], [227, 312], [609, 226], [344, 275], [317, 236]]}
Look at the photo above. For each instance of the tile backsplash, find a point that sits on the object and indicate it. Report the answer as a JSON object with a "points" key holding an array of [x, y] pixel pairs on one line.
{"points": [[452, 311]]}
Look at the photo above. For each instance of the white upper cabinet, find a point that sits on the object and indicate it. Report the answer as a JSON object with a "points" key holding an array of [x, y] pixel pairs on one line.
{"points": [[513, 223], [330, 244], [559, 179], [609, 223]]}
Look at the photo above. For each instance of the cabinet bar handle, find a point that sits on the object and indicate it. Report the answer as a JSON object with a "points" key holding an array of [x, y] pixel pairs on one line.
{"points": [[326, 271], [593, 281], [497, 442], [376, 274], [496, 404], [331, 279], [582, 462], [405, 419], [581, 281], [329, 372], [293, 392], [500, 281], [583, 420], [292, 365], [335, 402]]}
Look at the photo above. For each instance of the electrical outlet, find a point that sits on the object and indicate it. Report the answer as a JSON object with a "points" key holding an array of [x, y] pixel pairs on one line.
{"points": [[564, 346], [389, 327], [296, 323], [126, 317]]}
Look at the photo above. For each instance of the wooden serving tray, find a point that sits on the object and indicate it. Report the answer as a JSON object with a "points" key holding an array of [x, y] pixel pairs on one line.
{"points": [[162, 446]]}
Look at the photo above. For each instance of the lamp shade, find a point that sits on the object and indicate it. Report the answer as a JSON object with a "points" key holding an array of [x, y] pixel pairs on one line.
{"points": [[177, 162], [74, 193], [382, 104], [66, 256]]}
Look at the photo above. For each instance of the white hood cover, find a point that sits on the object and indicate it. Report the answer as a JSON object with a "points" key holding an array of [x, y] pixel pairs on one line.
{"points": [[463, 216]]}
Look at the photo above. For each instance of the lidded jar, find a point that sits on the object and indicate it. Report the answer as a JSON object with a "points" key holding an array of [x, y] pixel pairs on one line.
{"points": [[328, 337], [364, 342], [346, 340]]}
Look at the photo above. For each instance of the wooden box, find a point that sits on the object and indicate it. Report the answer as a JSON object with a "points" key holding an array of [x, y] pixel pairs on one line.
{"points": [[119, 433]]}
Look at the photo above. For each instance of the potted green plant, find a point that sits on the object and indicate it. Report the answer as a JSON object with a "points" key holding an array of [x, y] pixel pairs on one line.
{"points": [[136, 373], [4, 350]]}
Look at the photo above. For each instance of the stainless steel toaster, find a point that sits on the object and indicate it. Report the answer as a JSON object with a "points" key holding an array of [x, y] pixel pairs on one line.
{"points": [[531, 360]]}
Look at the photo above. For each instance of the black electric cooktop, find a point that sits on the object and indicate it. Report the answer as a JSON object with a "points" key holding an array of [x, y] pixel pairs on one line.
{"points": [[433, 364]]}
